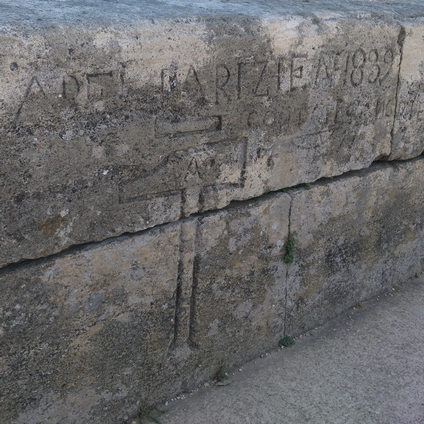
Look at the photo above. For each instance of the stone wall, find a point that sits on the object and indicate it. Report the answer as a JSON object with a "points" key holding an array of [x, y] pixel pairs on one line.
{"points": [[155, 165]]}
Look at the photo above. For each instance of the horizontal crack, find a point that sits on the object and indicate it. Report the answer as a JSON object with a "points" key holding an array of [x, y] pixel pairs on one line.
{"points": [[374, 166]]}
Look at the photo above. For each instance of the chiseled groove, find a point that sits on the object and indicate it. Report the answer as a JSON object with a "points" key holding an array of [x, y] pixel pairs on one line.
{"points": [[93, 244], [184, 284], [194, 285], [400, 41], [192, 319], [178, 292], [183, 202], [235, 203], [286, 292]]}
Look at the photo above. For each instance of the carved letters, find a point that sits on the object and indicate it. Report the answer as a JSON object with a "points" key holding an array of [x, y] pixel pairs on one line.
{"points": [[261, 78], [100, 85], [308, 95], [33, 85], [70, 88], [412, 108], [246, 79]]}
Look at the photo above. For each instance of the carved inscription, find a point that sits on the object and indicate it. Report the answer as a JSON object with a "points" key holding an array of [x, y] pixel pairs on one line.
{"points": [[248, 80], [262, 78], [70, 88], [185, 297], [173, 77], [222, 77], [252, 79], [33, 88], [191, 118], [411, 108], [298, 66], [409, 124], [100, 85], [208, 165], [187, 126], [160, 129]]}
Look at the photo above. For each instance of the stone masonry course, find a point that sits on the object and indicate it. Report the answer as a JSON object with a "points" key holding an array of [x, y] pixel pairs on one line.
{"points": [[183, 185]]}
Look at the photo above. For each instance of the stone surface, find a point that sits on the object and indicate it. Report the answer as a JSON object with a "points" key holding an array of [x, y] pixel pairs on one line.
{"points": [[355, 236], [408, 134], [365, 366], [82, 333], [240, 280], [111, 127], [87, 334], [116, 117]]}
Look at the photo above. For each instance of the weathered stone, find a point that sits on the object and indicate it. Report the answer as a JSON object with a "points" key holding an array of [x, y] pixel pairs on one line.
{"points": [[408, 134], [355, 236], [119, 117], [114, 129], [87, 334], [240, 280]]}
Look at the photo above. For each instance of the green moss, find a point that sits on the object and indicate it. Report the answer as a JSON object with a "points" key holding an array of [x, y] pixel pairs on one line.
{"points": [[220, 375], [289, 247], [148, 413], [286, 341]]}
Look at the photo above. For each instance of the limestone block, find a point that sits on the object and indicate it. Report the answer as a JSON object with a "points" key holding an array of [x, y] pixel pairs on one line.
{"points": [[84, 335], [240, 281], [408, 133], [355, 236], [116, 126], [87, 334]]}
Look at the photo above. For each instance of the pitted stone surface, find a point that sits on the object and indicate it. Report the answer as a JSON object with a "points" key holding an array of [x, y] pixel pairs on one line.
{"points": [[364, 366], [354, 238], [81, 332], [116, 117], [116, 128], [408, 134], [93, 331], [239, 277], [87, 334]]}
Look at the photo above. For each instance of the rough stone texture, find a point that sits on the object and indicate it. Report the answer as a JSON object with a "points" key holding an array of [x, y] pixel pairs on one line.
{"points": [[116, 128], [408, 134], [365, 366], [87, 334], [83, 331], [355, 236], [120, 116], [240, 279]]}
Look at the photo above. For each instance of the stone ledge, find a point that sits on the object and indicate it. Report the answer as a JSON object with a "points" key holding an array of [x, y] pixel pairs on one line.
{"points": [[91, 332], [110, 129]]}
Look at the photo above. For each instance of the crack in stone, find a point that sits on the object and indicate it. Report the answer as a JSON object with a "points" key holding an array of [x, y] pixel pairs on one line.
{"points": [[287, 268], [94, 244], [400, 42]]}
